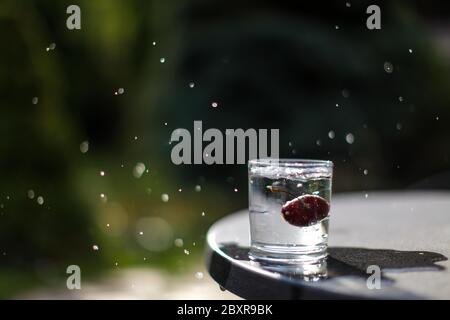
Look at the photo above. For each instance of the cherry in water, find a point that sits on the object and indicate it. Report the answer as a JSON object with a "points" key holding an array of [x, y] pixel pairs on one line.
{"points": [[305, 210]]}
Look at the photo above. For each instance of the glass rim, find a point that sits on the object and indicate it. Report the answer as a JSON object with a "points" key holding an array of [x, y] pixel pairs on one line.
{"points": [[291, 163]]}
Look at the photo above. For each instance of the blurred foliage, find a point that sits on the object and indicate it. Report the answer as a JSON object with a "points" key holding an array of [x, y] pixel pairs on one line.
{"points": [[286, 65]]}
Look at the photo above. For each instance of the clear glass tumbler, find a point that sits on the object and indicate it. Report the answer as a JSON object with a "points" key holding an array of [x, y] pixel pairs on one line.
{"points": [[289, 202]]}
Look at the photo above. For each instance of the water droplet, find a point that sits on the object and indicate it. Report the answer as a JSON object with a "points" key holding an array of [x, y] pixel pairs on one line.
{"points": [[102, 173], [191, 84], [366, 195], [103, 197], [84, 146], [135, 137], [346, 93], [336, 27], [186, 252], [236, 190], [337, 105], [154, 43], [95, 248], [398, 126], [299, 185], [30, 194], [179, 242], [203, 213], [138, 170], [180, 190], [121, 91], [162, 60], [141, 233], [51, 46], [331, 134], [366, 172], [400, 99], [165, 197], [388, 67], [40, 200], [199, 275], [318, 142], [350, 138], [290, 144], [214, 105], [198, 188], [35, 100], [437, 118], [348, 4], [410, 51]]}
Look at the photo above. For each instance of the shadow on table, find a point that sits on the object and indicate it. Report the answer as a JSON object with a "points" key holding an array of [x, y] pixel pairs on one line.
{"points": [[349, 261]]}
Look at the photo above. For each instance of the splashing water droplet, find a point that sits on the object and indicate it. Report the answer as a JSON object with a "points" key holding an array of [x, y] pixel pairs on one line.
{"points": [[35, 100], [199, 275], [138, 170], [51, 46], [103, 197], [331, 134], [388, 67], [165, 197], [84, 146], [30, 194], [40, 200], [350, 138], [179, 242]]}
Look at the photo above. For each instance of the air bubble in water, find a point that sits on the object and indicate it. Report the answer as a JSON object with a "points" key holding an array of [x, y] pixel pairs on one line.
{"points": [[198, 188], [214, 105], [162, 60], [191, 84], [331, 134], [35, 100], [366, 172]]}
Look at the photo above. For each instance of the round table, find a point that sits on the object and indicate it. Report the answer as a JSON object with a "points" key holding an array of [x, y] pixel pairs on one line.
{"points": [[406, 234]]}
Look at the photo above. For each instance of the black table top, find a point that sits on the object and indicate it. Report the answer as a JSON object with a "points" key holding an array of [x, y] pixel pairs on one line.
{"points": [[406, 234]]}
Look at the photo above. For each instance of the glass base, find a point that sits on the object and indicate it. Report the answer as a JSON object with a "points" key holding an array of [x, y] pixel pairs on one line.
{"points": [[287, 255]]}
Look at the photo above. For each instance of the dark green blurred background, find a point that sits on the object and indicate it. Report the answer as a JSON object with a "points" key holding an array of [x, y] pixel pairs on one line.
{"points": [[305, 68]]}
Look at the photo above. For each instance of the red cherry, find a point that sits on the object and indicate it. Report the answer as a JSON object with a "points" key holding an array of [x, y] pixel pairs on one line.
{"points": [[305, 210]]}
